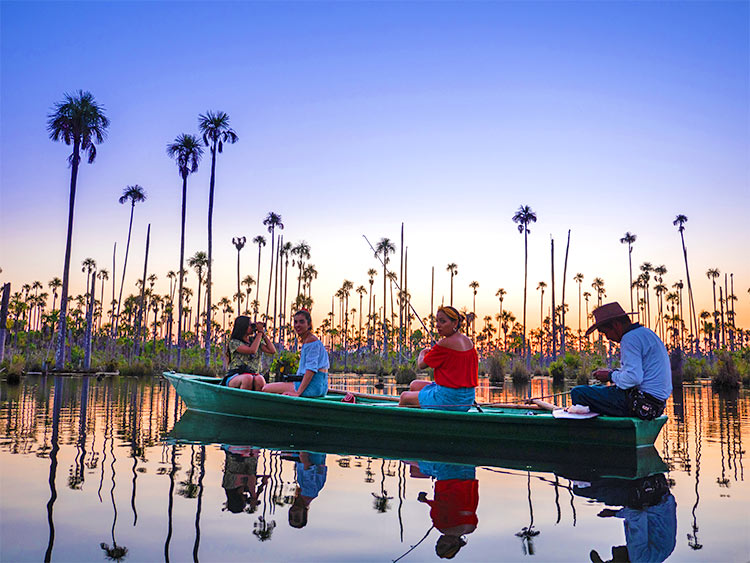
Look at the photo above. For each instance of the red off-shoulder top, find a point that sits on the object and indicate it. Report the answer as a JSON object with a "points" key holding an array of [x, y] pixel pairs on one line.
{"points": [[454, 368]]}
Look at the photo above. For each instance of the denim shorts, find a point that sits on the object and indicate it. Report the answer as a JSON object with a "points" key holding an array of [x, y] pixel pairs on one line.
{"points": [[318, 387], [435, 396]]}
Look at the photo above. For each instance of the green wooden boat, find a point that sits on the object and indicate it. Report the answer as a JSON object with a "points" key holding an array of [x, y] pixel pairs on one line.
{"points": [[582, 464], [493, 427]]}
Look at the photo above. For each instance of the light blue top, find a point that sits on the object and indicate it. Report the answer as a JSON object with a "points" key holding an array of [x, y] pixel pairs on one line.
{"points": [[651, 533], [313, 356], [645, 364]]}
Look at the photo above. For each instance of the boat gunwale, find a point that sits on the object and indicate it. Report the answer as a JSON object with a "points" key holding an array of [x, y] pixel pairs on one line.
{"points": [[530, 417]]}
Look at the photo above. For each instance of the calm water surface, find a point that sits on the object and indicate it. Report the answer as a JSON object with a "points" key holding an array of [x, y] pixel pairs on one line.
{"points": [[99, 470]]}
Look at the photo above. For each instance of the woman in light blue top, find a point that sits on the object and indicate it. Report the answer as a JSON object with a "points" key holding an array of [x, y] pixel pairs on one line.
{"points": [[313, 363]]}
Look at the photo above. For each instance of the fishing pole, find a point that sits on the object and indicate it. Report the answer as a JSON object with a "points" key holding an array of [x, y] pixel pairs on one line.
{"points": [[428, 331], [408, 301]]}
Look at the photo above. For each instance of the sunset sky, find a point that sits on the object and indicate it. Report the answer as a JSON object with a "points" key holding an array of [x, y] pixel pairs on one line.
{"points": [[354, 118]]}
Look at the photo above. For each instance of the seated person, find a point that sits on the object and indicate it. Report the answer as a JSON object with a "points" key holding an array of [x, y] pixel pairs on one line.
{"points": [[649, 515], [240, 478], [246, 343], [454, 508], [456, 366], [313, 363], [642, 383], [311, 476]]}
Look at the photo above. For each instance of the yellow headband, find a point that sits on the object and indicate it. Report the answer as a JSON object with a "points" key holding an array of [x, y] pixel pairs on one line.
{"points": [[450, 312]]}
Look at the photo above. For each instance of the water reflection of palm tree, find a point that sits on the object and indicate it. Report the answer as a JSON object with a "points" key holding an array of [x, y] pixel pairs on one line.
{"points": [[202, 474], [698, 417], [114, 552], [527, 533], [56, 405], [381, 502]]}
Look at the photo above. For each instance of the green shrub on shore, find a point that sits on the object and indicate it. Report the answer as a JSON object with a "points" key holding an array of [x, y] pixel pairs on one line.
{"points": [[727, 375], [495, 367], [405, 373], [519, 374]]}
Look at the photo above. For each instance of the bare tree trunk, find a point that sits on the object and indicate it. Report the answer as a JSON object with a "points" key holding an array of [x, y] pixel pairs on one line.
{"points": [[139, 317], [89, 324], [565, 273]]}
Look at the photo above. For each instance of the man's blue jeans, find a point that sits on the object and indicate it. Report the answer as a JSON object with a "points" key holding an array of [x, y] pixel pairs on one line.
{"points": [[604, 399]]}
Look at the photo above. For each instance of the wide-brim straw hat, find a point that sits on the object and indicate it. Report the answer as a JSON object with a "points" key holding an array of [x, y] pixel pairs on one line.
{"points": [[606, 313]]}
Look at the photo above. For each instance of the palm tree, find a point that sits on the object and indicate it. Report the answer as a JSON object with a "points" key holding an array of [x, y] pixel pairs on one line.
{"points": [[134, 194], [371, 273], [103, 275], [361, 290], [199, 262], [524, 216], [384, 247], [302, 253], [79, 121], [272, 222], [453, 269], [679, 222], [712, 274], [578, 278], [214, 126], [261, 242], [187, 151], [239, 244], [54, 284], [474, 285], [541, 286], [500, 294], [248, 282], [629, 239]]}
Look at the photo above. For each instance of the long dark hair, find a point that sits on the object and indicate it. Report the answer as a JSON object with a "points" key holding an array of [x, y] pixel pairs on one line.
{"points": [[241, 325]]}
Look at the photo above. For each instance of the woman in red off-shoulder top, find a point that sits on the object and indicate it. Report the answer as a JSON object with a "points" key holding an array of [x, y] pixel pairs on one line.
{"points": [[455, 363]]}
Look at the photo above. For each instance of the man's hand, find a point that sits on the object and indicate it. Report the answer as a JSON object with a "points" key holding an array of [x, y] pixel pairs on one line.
{"points": [[603, 375]]}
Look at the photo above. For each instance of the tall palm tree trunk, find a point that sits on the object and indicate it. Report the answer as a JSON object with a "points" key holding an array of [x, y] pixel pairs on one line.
{"points": [[62, 323], [210, 253], [691, 303], [124, 267], [525, 285], [180, 272]]}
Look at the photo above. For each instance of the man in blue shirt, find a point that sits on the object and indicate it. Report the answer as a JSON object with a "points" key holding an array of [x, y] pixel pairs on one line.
{"points": [[642, 383]]}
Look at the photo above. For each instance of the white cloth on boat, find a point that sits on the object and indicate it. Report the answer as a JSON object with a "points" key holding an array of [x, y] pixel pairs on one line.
{"points": [[562, 413]]}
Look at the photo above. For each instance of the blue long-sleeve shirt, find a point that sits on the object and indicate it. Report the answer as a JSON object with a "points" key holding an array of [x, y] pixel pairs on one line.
{"points": [[644, 363]]}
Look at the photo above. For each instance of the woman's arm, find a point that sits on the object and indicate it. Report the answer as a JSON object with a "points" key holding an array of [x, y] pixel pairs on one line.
{"points": [[267, 345], [252, 348], [420, 360]]}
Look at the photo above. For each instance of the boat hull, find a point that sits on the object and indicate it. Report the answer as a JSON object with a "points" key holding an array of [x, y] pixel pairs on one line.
{"points": [[492, 428]]}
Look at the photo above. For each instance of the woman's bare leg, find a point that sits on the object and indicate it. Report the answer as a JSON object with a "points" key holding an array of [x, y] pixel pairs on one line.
{"points": [[418, 384], [242, 381], [279, 388], [409, 399]]}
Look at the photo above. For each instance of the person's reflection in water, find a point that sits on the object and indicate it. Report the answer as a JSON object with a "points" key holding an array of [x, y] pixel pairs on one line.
{"points": [[311, 476], [649, 512], [240, 482], [453, 509]]}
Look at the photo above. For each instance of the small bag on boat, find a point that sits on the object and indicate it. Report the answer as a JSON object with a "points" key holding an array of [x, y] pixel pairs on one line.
{"points": [[644, 405]]}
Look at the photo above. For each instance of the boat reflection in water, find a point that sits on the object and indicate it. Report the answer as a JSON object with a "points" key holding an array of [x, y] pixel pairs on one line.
{"points": [[583, 463], [649, 514]]}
